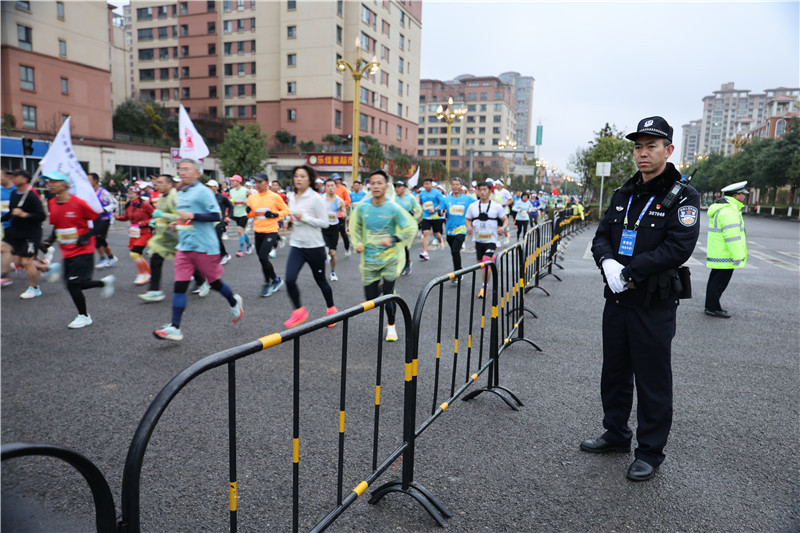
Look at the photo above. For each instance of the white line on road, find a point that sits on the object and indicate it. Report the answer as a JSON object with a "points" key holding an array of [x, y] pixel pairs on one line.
{"points": [[775, 261], [791, 254], [588, 253]]}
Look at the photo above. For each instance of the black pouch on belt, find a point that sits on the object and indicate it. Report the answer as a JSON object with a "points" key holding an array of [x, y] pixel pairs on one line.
{"points": [[684, 289]]}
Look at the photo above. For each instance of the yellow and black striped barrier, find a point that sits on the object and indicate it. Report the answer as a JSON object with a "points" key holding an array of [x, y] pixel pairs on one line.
{"points": [[511, 265]]}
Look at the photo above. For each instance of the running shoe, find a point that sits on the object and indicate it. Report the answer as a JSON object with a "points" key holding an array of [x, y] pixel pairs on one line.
{"points": [[236, 309], [299, 316], [424, 256], [406, 270], [31, 292], [204, 289], [330, 311], [168, 332], [266, 289], [108, 286], [239, 253], [347, 253], [48, 256], [391, 333], [142, 279], [111, 262], [52, 272], [102, 263], [152, 296], [276, 284], [273, 253], [334, 277], [81, 321], [225, 259], [5, 281], [250, 249], [482, 293]]}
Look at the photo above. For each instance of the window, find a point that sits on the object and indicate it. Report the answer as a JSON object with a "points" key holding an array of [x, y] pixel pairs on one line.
{"points": [[399, 132], [239, 5], [184, 7], [291, 115], [253, 90], [366, 16], [162, 33], [60, 10], [184, 72], [162, 12], [384, 52], [147, 74], [482, 119], [291, 5], [338, 35], [253, 24], [210, 7], [145, 54], [399, 110], [291, 32], [212, 91], [498, 107], [229, 69], [362, 121], [338, 90], [26, 78], [482, 107], [175, 94], [496, 119], [163, 53], [28, 117], [212, 28], [470, 131], [228, 91], [385, 78], [241, 111], [184, 50], [212, 49], [400, 65], [339, 7], [400, 88], [163, 74], [484, 96], [253, 47], [385, 28], [240, 90], [470, 118], [291, 60], [253, 111], [62, 47], [402, 18], [402, 42], [472, 96], [241, 69], [240, 47], [291, 87], [496, 130], [164, 94], [227, 48], [212, 70], [175, 31], [227, 26], [144, 13], [337, 118], [229, 111], [186, 93], [184, 30], [240, 25], [498, 95]]}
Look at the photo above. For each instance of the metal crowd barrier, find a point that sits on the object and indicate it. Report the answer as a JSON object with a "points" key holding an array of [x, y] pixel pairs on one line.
{"points": [[129, 520], [105, 519], [511, 266]]}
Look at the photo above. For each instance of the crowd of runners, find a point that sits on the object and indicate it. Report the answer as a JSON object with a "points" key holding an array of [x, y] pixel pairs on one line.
{"points": [[183, 220]]}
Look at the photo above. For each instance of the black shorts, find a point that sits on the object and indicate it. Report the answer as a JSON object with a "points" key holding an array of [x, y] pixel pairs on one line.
{"points": [[101, 227], [22, 247], [331, 236], [241, 221], [435, 225], [485, 249], [79, 268]]}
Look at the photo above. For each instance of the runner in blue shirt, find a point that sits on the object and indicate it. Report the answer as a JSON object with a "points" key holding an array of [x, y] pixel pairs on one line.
{"points": [[456, 204], [432, 202], [357, 193]]}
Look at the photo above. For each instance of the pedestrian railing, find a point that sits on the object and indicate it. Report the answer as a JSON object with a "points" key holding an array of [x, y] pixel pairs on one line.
{"points": [[511, 268]]}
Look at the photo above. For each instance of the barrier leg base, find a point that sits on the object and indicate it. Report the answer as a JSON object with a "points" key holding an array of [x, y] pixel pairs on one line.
{"points": [[425, 498], [523, 339], [538, 287], [494, 390], [534, 315]]}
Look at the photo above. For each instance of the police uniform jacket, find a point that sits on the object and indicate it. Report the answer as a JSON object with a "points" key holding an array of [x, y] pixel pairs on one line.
{"points": [[665, 238]]}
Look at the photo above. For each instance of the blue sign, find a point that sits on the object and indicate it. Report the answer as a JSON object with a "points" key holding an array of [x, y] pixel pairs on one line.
{"points": [[12, 147]]}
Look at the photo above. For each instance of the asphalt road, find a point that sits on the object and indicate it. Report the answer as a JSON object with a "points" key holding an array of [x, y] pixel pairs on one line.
{"points": [[732, 460]]}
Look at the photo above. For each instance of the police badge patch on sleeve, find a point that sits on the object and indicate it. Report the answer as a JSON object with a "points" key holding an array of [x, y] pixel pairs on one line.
{"points": [[687, 215]]}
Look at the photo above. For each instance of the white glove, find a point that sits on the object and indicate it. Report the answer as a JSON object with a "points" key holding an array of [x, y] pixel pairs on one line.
{"points": [[612, 270]]}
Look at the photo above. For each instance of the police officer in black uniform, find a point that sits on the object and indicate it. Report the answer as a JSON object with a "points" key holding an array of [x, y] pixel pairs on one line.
{"points": [[646, 234]]}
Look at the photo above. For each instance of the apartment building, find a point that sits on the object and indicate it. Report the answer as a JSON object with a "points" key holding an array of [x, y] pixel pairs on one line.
{"points": [[53, 67], [491, 119], [523, 93], [275, 63], [690, 145], [728, 112]]}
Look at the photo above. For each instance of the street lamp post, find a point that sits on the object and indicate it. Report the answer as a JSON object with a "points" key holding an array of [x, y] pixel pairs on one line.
{"points": [[358, 72], [449, 115], [511, 145]]}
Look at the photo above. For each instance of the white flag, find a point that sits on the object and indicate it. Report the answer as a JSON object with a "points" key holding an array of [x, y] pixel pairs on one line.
{"points": [[192, 144], [413, 180], [62, 158]]}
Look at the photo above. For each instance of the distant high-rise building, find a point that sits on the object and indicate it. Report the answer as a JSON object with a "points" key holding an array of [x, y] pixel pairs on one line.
{"points": [[54, 67], [275, 63], [523, 93], [491, 119], [691, 136]]}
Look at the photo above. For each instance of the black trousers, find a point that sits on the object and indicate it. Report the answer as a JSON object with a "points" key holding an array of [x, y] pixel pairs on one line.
{"points": [[265, 242], [343, 233], [718, 280], [637, 347], [455, 242]]}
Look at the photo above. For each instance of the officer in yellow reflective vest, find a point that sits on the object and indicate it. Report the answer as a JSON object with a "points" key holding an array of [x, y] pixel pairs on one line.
{"points": [[727, 247]]}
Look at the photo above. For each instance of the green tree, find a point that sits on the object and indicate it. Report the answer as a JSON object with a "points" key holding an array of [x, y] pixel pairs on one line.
{"points": [[243, 151], [283, 136], [155, 121], [609, 145], [402, 165], [171, 128], [374, 156], [129, 117]]}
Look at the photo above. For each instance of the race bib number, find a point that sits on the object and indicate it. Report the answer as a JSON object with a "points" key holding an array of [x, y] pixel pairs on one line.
{"points": [[261, 213], [427, 206], [375, 252], [627, 242], [4, 205], [67, 235], [239, 202], [333, 219], [483, 237], [188, 225], [134, 231], [457, 210]]}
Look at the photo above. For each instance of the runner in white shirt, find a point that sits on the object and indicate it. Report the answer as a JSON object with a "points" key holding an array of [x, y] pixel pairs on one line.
{"points": [[486, 220]]}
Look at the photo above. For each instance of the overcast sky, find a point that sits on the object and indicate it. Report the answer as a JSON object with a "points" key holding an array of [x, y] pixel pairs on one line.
{"points": [[598, 62]]}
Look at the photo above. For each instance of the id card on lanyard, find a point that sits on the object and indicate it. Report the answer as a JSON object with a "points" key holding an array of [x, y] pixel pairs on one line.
{"points": [[628, 240]]}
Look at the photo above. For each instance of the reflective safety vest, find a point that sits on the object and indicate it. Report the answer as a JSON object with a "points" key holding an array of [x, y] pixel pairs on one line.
{"points": [[727, 246]]}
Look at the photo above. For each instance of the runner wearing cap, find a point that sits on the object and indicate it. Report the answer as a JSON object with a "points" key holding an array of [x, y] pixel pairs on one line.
{"points": [[239, 196], [380, 229], [487, 220], [334, 204], [198, 247], [432, 201], [408, 202], [70, 217], [138, 213], [266, 208], [21, 239], [456, 204], [307, 246]]}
